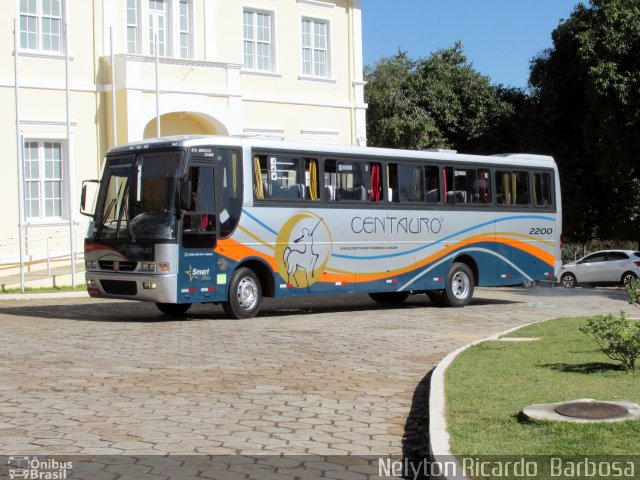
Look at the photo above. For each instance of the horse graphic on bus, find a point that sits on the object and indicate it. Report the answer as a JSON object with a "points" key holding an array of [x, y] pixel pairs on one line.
{"points": [[304, 246]]}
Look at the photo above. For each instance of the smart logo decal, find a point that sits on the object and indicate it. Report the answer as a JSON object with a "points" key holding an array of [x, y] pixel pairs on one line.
{"points": [[303, 248], [198, 273]]}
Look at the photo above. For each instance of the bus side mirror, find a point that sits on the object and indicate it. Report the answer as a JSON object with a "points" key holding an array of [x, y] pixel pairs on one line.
{"points": [[83, 198], [185, 195]]}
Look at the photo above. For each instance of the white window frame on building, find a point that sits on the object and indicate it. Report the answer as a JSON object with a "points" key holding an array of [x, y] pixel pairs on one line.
{"points": [[44, 167], [157, 26], [133, 27], [258, 40], [315, 39], [170, 20], [41, 25]]}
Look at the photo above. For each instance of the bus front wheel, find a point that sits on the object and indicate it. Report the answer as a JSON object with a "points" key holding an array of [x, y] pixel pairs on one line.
{"points": [[245, 294], [173, 309], [460, 285]]}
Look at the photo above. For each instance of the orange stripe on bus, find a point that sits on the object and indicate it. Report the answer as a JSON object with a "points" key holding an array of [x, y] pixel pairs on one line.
{"points": [[237, 251]]}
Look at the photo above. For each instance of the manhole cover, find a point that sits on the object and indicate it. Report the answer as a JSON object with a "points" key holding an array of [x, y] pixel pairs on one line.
{"points": [[591, 410]]}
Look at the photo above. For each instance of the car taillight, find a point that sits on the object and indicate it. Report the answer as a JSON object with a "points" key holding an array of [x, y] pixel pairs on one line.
{"points": [[637, 264]]}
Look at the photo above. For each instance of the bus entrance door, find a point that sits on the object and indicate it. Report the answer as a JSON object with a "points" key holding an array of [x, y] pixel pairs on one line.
{"points": [[200, 227]]}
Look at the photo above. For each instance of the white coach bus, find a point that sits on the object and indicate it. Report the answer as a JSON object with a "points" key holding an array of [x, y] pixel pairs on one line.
{"points": [[183, 220]]}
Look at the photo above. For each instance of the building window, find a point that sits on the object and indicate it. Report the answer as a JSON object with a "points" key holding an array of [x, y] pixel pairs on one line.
{"points": [[185, 29], [315, 48], [158, 27], [258, 41], [167, 22], [41, 25], [132, 26], [42, 180]]}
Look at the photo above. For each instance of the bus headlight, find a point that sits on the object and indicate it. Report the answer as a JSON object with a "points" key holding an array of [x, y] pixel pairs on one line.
{"points": [[91, 264], [148, 267], [149, 285]]}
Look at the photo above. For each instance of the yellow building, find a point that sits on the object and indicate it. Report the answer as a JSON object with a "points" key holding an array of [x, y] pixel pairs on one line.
{"points": [[91, 74]]}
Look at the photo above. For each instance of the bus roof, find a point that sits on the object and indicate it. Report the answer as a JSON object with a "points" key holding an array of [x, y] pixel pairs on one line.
{"points": [[273, 143]]}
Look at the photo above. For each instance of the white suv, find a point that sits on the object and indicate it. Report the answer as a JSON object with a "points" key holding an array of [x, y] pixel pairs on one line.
{"points": [[603, 267]]}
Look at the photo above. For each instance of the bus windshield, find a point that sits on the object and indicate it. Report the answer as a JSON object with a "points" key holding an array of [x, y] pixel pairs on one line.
{"points": [[138, 197]]}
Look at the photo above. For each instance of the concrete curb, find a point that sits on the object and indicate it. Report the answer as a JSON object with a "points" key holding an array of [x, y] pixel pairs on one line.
{"points": [[42, 296], [439, 439]]}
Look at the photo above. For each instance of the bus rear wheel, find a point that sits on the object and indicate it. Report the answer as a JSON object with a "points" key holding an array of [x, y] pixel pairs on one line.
{"points": [[245, 295], [173, 309], [391, 298], [460, 285]]}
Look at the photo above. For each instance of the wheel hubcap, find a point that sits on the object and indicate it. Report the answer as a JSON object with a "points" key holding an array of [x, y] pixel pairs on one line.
{"points": [[247, 293], [460, 285], [568, 281]]}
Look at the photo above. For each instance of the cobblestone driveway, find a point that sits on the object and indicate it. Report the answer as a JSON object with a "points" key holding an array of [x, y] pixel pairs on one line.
{"points": [[323, 376]]}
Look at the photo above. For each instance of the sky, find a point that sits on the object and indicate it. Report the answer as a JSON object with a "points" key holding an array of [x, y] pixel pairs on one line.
{"points": [[499, 37]]}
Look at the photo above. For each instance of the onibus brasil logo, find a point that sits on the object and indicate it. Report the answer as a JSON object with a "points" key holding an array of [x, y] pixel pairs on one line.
{"points": [[303, 248]]}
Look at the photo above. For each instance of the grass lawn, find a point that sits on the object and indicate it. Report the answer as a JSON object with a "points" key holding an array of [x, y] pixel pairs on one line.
{"points": [[79, 288], [489, 384]]}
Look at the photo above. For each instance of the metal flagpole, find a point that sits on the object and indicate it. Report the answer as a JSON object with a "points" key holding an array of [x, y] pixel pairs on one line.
{"points": [[69, 166], [113, 90], [157, 88], [19, 155]]}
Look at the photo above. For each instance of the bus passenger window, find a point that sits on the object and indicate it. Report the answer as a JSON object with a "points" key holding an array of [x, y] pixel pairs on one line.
{"points": [[542, 190], [348, 181], [512, 188], [456, 185], [285, 178], [467, 185]]}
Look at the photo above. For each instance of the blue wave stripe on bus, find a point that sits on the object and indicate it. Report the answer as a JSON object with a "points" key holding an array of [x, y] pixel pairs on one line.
{"points": [[259, 222], [461, 232]]}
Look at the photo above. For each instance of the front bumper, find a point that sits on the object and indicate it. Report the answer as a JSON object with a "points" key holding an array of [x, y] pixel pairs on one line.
{"points": [[132, 287]]}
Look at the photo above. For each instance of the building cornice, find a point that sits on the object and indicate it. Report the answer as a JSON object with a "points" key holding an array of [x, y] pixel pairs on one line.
{"points": [[317, 3], [182, 62]]}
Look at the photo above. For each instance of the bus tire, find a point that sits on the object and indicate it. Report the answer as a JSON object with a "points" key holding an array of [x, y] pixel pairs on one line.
{"points": [[173, 309], [459, 286], [245, 294], [391, 298]]}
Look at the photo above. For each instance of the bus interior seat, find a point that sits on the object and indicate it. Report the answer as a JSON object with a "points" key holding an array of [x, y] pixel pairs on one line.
{"points": [[456, 196], [329, 192], [432, 196]]}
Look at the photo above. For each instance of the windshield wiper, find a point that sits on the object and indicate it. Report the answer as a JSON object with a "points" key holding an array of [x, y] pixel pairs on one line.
{"points": [[104, 218]]}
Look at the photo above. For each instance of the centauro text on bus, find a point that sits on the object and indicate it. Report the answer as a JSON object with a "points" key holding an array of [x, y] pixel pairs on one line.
{"points": [[183, 220]]}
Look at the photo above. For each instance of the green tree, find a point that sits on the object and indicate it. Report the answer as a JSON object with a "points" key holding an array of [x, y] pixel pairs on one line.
{"points": [[587, 91], [435, 102], [394, 118]]}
